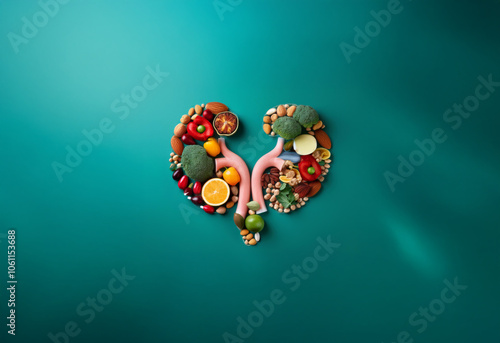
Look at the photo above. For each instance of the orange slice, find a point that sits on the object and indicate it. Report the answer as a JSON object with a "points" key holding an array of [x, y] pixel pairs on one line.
{"points": [[284, 179], [215, 192]]}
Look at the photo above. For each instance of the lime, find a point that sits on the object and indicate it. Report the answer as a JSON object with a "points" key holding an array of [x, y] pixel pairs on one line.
{"points": [[254, 223]]}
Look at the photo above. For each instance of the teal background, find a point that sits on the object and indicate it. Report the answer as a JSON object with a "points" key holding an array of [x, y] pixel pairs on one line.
{"points": [[119, 207]]}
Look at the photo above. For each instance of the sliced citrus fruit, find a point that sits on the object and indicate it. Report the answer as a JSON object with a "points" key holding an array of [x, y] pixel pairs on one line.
{"points": [[325, 154], [284, 179], [215, 192]]}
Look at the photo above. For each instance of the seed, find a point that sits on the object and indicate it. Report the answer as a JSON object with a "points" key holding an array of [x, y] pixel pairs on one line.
{"points": [[244, 232], [252, 242], [172, 154], [302, 203], [249, 236], [328, 161], [287, 210], [273, 198], [293, 207], [257, 236], [234, 190], [246, 242], [179, 165], [267, 119], [280, 210], [171, 160], [251, 212], [327, 166], [297, 196], [274, 117], [268, 190], [234, 198], [273, 133], [271, 111], [305, 198], [298, 205], [221, 210], [321, 178], [191, 111], [229, 204]]}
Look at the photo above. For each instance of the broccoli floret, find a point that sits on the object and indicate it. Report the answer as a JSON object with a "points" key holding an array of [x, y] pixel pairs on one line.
{"points": [[287, 127], [306, 115], [196, 163]]}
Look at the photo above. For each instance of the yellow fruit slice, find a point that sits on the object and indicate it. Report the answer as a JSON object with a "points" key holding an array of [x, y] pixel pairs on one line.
{"points": [[215, 192], [284, 179], [325, 154]]}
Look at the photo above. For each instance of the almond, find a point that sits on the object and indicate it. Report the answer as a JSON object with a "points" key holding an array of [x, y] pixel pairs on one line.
{"points": [[302, 189], [191, 111], [179, 130], [216, 107], [267, 128], [177, 145], [198, 109], [185, 119], [290, 110], [281, 111], [315, 187], [267, 119], [323, 139]]}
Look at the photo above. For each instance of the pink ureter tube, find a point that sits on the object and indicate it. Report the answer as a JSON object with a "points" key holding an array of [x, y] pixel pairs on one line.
{"points": [[230, 159], [270, 159]]}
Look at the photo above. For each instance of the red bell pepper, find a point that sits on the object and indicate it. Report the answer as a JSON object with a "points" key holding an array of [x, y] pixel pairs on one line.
{"points": [[307, 162], [193, 126]]}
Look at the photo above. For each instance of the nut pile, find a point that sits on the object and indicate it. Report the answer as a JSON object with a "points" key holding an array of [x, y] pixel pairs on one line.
{"points": [[291, 187]]}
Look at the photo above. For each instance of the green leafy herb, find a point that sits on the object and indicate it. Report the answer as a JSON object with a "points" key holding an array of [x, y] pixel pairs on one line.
{"points": [[321, 163]]}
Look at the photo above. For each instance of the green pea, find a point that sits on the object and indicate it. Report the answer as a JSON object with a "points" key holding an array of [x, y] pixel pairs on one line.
{"points": [[200, 128], [311, 170]]}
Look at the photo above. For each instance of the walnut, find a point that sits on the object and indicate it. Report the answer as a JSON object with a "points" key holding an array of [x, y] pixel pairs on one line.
{"points": [[293, 182], [290, 174]]}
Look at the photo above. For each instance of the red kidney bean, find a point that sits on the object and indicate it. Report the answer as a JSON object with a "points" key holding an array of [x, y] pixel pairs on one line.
{"points": [[187, 139]]}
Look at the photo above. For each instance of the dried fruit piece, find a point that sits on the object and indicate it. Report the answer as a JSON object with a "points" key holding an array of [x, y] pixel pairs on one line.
{"points": [[226, 123]]}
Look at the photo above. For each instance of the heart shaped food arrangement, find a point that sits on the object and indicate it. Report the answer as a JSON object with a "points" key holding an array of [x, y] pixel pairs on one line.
{"points": [[216, 179]]}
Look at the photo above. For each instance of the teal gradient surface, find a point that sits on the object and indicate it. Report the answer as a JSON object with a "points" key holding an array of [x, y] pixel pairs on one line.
{"points": [[119, 207]]}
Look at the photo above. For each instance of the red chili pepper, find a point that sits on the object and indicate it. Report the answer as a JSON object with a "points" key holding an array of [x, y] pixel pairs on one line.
{"points": [[307, 162], [192, 129]]}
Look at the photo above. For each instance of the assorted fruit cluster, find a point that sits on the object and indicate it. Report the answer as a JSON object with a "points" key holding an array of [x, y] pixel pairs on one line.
{"points": [[306, 154], [194, 164], [216, 179], [194, 149]]}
